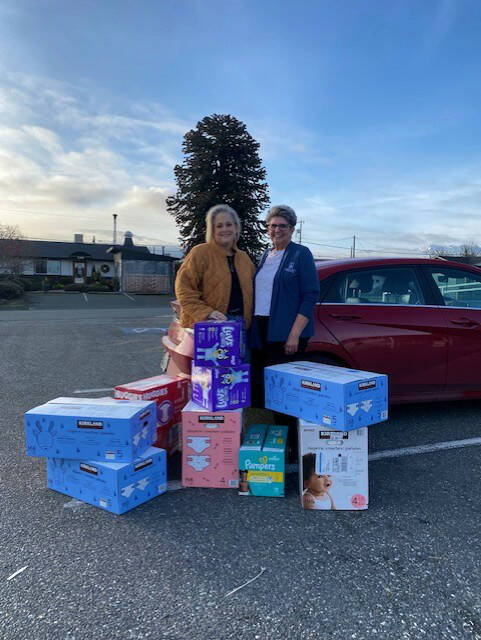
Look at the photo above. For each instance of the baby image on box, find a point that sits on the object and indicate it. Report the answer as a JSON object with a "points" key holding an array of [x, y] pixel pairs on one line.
{"points": [[316, 486]]}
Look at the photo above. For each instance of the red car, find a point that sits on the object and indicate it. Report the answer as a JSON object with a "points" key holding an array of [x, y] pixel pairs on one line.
{"points": [[417, 320]]}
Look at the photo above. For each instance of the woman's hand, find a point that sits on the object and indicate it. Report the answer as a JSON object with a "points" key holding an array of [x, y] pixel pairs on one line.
{"points": [[292, 345], [217, 315]]}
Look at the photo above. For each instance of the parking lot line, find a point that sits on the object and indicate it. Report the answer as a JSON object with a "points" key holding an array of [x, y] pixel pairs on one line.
{"points": [[85, 297], [92, 390], [126, 294], [424, 448], [410, 451]]}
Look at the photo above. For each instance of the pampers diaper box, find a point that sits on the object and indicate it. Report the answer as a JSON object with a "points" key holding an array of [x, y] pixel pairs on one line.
{"points": [[262, 461], [114, 486], [333, 471], [108, 431], [210, 447], [221, 388], [336, 397], [219, 343]]}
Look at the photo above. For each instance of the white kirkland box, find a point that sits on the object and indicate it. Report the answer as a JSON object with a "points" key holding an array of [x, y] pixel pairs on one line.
{"points": [[333, 472]]}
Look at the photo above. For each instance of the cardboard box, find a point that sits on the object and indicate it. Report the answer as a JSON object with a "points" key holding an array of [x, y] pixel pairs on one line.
{"points": [[333, 396], [221, 389], [113, 486], [262, 461], [108, 431], [219, 343], [333, 468], [168, 435], [170, 394], [210, 447]]}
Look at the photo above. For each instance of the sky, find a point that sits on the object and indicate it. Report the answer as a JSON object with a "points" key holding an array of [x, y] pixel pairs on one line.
{"points": [[367, 113]]}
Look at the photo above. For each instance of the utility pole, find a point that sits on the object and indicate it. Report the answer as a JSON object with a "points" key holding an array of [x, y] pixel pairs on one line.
{"points": [[115, 228], [353, 248], [299, 231]]}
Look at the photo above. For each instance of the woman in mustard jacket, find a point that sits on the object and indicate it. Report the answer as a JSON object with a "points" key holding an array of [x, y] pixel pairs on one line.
{"points": [[216, 278]]}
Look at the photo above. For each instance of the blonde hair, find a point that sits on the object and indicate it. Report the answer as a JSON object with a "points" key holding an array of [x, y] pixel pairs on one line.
{"points": [[212, 214]]}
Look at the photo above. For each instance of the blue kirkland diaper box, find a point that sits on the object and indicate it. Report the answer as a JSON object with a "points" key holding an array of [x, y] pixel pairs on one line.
{"points": [[335, 397], [105, 431], [113, 486], [262, 461]]}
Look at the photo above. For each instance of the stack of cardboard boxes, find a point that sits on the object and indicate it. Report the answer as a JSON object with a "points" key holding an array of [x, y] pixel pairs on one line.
{"points": [[99, 451], [111, 452], [334, 406], [212, 421]]}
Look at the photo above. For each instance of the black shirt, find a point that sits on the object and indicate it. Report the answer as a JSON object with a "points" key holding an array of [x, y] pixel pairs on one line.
{"points": [[236, 301]]}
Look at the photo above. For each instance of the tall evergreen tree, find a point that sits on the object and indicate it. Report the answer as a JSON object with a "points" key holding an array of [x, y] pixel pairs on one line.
{"points": [[221, 165]]}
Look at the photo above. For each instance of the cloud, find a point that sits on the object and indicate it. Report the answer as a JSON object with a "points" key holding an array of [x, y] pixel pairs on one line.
{"points": [[65, 156], [401, 218]]}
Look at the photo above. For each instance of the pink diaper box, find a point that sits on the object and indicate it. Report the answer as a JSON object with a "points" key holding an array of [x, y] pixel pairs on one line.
{"points": [[210, 447]]}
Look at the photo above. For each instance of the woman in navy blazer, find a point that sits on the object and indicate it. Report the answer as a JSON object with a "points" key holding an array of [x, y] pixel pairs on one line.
{"points": [[286, 291]]}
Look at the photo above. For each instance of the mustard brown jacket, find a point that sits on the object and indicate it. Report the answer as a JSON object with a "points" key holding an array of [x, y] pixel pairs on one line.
{"points": [[204, 281]]}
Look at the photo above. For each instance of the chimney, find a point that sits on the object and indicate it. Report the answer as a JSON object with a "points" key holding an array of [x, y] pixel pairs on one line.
{"points": [[128, 242], [115, 227], [78, 237]]}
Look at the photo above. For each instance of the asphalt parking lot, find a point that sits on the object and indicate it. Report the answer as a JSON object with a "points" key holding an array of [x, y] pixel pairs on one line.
{"points": [[408, 567]]}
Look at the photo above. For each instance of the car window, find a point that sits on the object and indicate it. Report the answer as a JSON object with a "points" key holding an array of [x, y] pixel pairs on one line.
{"points": [[457, 287], [376, 286]]}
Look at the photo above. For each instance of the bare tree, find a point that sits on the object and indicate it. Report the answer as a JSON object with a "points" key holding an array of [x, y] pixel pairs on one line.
{"points": [[470, 249], [11, 258]]}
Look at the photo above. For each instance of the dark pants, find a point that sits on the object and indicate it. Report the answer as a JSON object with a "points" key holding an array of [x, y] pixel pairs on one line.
{"points": [[272, 353]]}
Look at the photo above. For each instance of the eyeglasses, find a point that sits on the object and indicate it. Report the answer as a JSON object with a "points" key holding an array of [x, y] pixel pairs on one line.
{"points": [[278, 226]]}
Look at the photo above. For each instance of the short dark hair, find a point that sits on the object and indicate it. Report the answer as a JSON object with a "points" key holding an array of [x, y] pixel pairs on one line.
{"points": [[308, 466]]}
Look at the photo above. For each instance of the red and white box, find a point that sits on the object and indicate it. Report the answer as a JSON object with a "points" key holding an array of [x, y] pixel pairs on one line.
{"points": [[170, 394], [210, 447]]}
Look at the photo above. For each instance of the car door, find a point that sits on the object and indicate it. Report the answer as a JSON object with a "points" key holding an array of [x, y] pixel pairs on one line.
{"points": [[460, 294], [382, 319]]}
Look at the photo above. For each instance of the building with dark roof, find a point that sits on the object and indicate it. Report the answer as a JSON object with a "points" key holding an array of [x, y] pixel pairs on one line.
{"points": [[138, 270]]}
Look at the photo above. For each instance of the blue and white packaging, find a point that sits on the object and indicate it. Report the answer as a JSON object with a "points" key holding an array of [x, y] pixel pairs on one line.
{"points": [[335, 397], [113, 486], [118, 431]]}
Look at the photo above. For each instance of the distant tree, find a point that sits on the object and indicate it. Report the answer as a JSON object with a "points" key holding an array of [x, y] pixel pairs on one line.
{"points": [[465, 250], [221, 165], [470, 249], [11, 258]]}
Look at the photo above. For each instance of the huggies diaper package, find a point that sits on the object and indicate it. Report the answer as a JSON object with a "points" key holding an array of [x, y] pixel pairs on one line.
{"points": [[335, 397], [210, 447], [221, 388], [87, 430], [219, 343], [333, 468], [262, 457], [171, 395], [113, 486]]}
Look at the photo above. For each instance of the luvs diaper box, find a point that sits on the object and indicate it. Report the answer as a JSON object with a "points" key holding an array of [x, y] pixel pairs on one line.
{"points": [[221, 388], [210, 447], [171, 395], [333, 467], [262, 461], [116, 487], [336, 397], [108, 431], [219, 343]]}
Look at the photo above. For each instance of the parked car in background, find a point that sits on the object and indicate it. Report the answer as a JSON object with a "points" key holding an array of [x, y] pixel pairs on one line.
{"points": [[417, 320]]}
